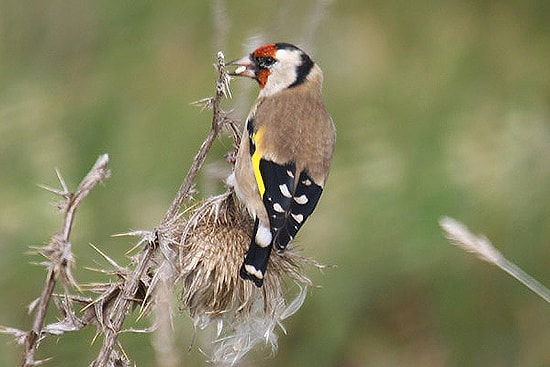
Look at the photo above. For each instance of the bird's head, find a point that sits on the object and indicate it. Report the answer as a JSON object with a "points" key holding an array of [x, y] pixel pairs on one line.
{"points": [[276, 66]]}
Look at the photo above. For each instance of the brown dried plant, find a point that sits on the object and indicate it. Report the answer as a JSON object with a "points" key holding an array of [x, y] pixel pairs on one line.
{"points": [[458, 234], [59, 261]]}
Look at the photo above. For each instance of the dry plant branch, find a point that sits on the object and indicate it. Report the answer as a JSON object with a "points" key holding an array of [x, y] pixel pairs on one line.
{"points": [[126, 298], [121, 306], [59, 254], [218, 119], [458, 234]]}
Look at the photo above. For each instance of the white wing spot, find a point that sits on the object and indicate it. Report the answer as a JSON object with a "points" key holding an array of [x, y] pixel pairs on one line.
{"points": [[263, 236], [289, 173], [298, 217], [301, 199], [285, 191], [252, 270], [306, 182], [278, 208]]}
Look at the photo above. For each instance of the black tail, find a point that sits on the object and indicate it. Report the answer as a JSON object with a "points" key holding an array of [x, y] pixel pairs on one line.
{"points": [[255, 263]]}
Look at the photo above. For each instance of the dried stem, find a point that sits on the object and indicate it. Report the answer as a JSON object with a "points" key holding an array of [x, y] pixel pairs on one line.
{"points": [[218, 119], [122, 304], [125, 299], [59, 254], [458, 234], [32, 339], [166, 348], [97, 174]]}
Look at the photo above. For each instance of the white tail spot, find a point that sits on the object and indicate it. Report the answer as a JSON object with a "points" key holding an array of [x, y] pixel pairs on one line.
{"points": [[252, 270]]}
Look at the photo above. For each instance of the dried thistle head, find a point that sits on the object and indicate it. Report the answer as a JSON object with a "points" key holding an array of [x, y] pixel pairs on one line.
{"points": [[214, 240]]}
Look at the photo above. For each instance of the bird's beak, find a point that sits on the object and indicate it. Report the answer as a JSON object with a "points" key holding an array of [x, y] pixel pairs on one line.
{"points": [[246, 67]]}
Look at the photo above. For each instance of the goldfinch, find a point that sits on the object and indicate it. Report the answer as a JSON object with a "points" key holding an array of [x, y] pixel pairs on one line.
{"points": [[285, 152]]}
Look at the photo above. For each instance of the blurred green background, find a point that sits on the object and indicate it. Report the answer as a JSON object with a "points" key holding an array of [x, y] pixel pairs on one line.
{"points": [[442, 108]]}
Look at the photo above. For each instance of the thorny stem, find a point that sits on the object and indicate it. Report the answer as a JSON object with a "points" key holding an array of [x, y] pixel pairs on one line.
{"points": [[218, 119], [126, 297], [95, 176], [122, 306], [33, 336], [60, 242]]}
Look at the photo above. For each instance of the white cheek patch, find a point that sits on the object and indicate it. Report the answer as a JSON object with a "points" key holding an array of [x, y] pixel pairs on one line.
{"points": [[263, 236], [283, 73]]}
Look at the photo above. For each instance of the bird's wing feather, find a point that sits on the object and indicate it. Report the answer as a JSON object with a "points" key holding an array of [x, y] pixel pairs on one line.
{"points": [[288, 202], [279, 184], [288, 205], [304, 199]]}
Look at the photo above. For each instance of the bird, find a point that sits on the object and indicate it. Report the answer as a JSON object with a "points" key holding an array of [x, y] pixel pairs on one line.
{"points": [[285, 152]]}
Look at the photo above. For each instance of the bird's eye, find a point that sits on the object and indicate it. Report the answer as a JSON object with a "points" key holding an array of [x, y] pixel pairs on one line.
{"points": [[265, 62]]}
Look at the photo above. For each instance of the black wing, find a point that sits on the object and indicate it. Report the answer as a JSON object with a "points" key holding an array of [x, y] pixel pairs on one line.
{"points": [[287, 208]]}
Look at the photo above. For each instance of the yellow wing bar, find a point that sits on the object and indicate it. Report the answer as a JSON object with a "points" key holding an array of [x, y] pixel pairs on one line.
{"points": [[256, 157]]}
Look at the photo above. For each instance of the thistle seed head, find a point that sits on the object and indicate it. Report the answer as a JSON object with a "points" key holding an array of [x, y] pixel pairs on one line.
{"points": [[215, 236]]}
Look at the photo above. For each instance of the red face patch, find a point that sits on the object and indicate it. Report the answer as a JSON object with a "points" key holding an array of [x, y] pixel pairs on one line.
{"points": [[266, 50], [263, 74]]}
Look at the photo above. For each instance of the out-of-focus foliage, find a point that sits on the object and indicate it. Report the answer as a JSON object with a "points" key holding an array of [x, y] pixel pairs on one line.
{"points": [[441, 108]]}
